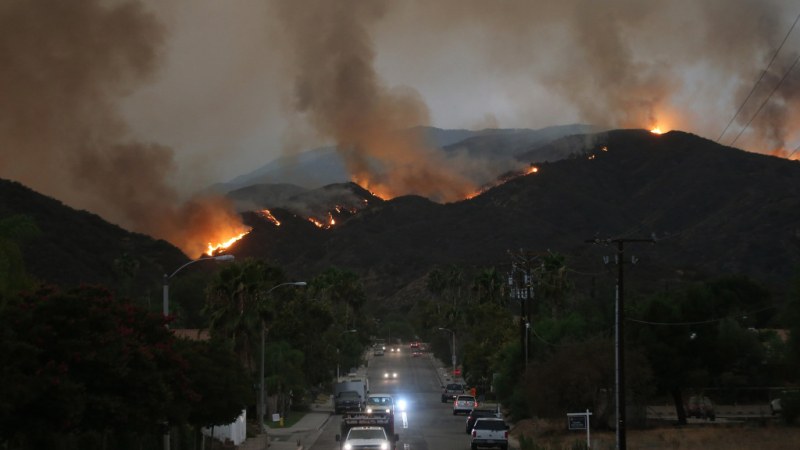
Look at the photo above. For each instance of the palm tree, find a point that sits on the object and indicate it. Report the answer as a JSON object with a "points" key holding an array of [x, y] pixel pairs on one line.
{"points": [[488, 286], [14, 230], [553, 284], [236, 304]]}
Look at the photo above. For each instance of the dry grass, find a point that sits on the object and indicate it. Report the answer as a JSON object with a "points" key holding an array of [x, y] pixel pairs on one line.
{"points": [[741, 436]]}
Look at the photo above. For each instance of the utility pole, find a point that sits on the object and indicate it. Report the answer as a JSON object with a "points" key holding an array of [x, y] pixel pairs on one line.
{"points": [[619, 347], [520, 281]]}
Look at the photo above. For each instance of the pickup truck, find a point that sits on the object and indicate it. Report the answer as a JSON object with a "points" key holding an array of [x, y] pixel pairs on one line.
{"points": [[489, 432], [451, 391], [347, 401], [367, 438]]}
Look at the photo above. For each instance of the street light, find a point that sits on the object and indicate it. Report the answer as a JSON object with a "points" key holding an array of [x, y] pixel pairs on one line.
{"points": [[261, 398], [221, 258], [453, 357], [337, 351]]}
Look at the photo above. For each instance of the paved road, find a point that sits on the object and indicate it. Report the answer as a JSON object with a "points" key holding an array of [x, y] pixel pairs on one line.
{"points": [[428, 423]]}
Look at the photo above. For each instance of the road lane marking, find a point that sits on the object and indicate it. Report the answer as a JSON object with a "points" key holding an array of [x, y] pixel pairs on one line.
{"points": [[405, 420]]}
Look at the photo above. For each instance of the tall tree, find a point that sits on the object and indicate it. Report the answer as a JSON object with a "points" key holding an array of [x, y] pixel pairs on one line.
{"points": [[81, 361], [14, 230], [237, 304]]}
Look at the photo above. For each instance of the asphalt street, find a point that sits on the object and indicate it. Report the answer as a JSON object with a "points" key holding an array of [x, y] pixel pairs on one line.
{"points": [[427, 422]]}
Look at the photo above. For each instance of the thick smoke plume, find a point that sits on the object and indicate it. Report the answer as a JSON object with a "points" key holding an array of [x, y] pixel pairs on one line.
{"points": [[617, 63], [337, 87], [65, 67]]}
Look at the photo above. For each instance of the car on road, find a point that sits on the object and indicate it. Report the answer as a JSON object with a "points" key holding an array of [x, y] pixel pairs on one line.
{"points": [[700, 407], [452, 390], [416, 354], [489, 432], [478, 413], [367, 438], [380, 404], [464, 404], [378, 351], [389, 375]]}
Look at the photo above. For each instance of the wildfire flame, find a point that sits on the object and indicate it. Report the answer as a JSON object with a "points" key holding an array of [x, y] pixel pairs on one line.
{"points": [[267, 214], [656, 130], [529, 171], [213, 248], [327, 224]]}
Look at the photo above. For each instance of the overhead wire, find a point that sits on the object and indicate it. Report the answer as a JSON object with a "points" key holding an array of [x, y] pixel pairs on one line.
{"points": [[785, 75], [760, 78], [703, 322]]}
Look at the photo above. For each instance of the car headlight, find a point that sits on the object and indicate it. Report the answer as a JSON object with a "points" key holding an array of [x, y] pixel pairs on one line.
{"points": [[386, 375], [385, 446], [369, 410], [388, 410], [401, 404], [348, 446], [394, 375]]}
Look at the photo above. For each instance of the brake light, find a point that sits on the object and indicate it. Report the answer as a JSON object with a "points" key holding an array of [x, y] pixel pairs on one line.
{"points": [[505, 434], [474, 434]]}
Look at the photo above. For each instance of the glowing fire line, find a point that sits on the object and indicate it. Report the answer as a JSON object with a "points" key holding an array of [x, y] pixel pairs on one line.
{"points": [[215, 248]]}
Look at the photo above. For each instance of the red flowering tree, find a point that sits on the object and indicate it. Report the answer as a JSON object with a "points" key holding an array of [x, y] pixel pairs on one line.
{"points": [[81, 361]]}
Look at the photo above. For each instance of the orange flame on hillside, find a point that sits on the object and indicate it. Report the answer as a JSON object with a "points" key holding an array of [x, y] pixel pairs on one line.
{"points": [[656, 130], [267, 214], [214, 248], [529, 171]]}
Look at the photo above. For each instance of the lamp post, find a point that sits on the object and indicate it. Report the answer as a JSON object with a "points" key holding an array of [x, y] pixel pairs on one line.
{"points": [[453, 355], [261, 398], [337, 351], [221, 258]]}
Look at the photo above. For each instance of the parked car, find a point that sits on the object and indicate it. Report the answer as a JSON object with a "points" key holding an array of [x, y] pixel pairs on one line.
{"points": [[452, 390], [489, 432], [478, 413], [700, 407], [464, 404], [347, 401]]}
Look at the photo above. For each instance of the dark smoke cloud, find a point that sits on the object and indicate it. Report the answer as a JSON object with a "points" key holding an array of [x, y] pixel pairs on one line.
{"points": [[337, 88], [624, 63], [65, 67], [618, 63]]}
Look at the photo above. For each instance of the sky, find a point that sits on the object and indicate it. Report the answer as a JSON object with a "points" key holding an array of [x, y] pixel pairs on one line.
{"points": [[129, 108]]}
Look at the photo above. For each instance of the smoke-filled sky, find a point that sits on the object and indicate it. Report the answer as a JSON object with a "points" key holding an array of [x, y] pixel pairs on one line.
{"points": [[127, 107]]}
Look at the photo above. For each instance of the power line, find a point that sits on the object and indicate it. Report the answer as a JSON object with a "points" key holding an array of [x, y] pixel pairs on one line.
{"points": [[785, 75], [764, 72], [703, 322]]}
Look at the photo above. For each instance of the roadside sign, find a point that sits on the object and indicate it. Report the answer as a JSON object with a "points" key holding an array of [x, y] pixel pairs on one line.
{"points": [[578, 422]]}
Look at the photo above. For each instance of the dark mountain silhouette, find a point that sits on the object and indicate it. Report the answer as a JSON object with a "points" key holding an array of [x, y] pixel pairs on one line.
{"points": [[76, 247], [714, 210]]}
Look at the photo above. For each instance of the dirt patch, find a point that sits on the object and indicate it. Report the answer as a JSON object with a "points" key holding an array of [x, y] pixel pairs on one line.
{"points": [[552, 435]]}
